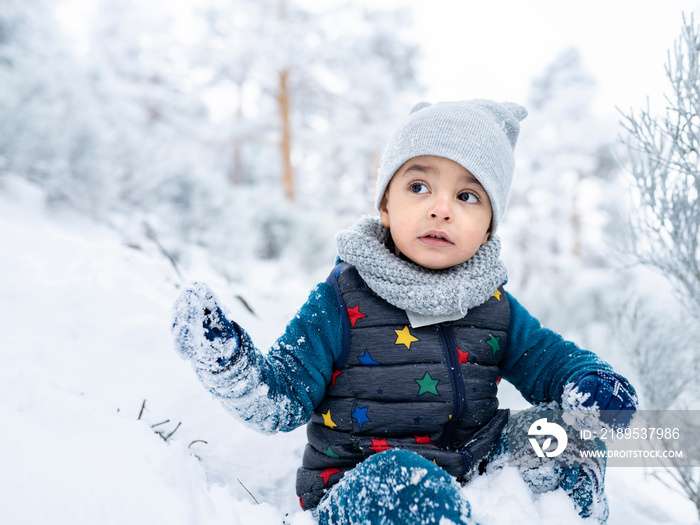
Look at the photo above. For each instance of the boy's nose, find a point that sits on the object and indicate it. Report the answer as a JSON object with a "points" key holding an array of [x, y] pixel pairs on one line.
{"points": [[441, 210]]}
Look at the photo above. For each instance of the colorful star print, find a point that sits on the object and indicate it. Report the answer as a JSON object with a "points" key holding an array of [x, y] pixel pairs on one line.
{"points": [[497, 294], [335, 376], [379, 445], [423, 440], [329, 452], [494, 343], [462, 356], [404, 337], [326, 474], [360, 415], [354, 314], [428, 385], [367, 359], [327, 420]]}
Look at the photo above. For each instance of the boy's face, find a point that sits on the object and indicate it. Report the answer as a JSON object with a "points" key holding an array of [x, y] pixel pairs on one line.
{"points": [[438, 213]]}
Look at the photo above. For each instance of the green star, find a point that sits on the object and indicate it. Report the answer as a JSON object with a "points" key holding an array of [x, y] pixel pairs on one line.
{"points": [[428, 385], [494, 343], [329, 452]]}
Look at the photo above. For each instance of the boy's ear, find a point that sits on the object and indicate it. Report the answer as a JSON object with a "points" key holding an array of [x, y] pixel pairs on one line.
{"points": [[384, 211]]}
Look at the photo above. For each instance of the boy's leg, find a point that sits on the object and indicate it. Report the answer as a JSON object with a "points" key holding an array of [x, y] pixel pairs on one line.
{"points": [[394, 487]]}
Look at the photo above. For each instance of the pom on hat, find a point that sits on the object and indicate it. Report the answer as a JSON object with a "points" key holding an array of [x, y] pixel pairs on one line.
{"points": [[480, 135], [419, 106]]}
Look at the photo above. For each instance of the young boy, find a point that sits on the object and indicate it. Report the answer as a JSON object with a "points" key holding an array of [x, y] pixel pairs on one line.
{"points": [[394, 361]]}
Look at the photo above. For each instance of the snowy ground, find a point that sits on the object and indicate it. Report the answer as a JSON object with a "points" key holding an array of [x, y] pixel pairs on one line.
{"points": [[84, 340]]}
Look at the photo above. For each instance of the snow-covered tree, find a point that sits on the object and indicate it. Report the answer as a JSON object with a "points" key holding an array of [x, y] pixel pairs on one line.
{"points": [[561, 199], [665, 234], [665, 153], [45, 129], [155, 128], [313, 90]]}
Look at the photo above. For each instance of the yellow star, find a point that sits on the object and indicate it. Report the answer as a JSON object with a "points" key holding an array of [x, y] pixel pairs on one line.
{"points": [[404, 337], [327, 419], [497, 294]]}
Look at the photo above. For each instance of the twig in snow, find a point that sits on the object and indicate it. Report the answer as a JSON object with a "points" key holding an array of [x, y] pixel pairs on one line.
{"points": [[174, 430], [245, 303], [246, 489], [151, 234], [143, 407]]}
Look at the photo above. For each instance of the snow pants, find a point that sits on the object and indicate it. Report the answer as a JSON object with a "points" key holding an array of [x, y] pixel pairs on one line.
{"points": [[396, 487]]}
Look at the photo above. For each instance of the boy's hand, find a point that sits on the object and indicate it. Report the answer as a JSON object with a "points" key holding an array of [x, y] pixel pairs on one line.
{"points": [[607, 394], [201, 331]]}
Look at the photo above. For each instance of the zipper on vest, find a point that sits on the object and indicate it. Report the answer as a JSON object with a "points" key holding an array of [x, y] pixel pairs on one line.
{"points": [[458, 392]]}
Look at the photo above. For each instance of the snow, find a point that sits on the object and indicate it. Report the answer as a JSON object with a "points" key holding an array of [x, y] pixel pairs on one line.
{"points": [[85, 339]]}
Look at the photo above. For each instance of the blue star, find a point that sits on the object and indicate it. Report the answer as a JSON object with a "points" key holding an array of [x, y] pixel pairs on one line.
{"points": [[417, 420], [367, 360], [360, 415], [380, 391]]}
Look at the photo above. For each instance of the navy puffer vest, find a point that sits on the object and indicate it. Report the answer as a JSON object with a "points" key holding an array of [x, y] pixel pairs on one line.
{"points": [[431, 390]]}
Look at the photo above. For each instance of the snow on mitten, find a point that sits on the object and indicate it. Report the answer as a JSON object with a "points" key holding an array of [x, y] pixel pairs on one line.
{"points": [[588, 494], [604, 392], [201, 331]]}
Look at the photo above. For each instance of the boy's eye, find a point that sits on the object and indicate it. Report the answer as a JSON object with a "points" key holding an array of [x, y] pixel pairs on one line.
{"points": [[418, 187], [469, 198]]}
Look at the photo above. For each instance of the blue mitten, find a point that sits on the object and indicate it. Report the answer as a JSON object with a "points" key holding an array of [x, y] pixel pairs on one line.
{"points": [[606, 393], [201, 331]]}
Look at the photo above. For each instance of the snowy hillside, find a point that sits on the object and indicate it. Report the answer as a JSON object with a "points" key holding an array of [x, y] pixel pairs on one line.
{"points": [[84, 340]]}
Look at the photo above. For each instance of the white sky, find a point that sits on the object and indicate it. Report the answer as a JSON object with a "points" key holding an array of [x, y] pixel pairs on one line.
{"points": [[493, 49]]}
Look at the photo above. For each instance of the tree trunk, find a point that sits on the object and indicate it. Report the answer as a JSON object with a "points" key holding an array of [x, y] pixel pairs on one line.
{"points": [[236, 170], [286, 140]]}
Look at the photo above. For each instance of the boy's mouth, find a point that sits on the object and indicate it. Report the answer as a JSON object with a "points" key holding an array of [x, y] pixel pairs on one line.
{"points": [[436, 238]]}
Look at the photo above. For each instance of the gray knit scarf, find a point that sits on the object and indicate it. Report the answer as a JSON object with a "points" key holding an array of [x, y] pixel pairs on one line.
{"points": [[447, 293]]}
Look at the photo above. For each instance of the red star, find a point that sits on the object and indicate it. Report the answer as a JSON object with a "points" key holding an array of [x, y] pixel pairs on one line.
{"points": [[326, 474], [423, 440], [379, 444], [498, 379], [335, 376], [462, 356], [354, 314]]}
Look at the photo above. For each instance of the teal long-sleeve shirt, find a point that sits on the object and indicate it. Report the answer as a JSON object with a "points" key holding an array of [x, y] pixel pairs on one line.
{"points": [[278, 390]]}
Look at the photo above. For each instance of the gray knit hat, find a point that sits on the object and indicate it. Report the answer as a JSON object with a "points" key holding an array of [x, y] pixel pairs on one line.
{"points": [[480, 135]]}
